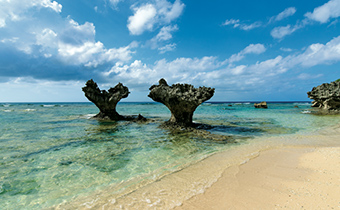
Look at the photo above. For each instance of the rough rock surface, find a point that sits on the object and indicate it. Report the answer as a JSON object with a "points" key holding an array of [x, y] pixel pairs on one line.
{"points": [[181, 99], [106, 101], [326, 96], [263, 105]]}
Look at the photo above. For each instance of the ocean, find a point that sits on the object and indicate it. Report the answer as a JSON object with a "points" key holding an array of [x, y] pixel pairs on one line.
{"points": [[55, 154]]}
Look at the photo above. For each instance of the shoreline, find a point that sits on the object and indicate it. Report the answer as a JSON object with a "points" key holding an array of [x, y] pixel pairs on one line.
{"points": [[198, 184], [304, 178], [302, 175]]}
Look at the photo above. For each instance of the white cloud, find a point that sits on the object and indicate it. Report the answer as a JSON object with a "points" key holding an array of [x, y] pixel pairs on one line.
{"points": [[92, 54], [173, 12], [250, 49], [58, 38], [115, 2], [282, 31], [142, 20], [236, 23], [254, 49], [305, 76], [15, 10], [55, 37], [284, 14], [178, 70], [321, 14], [48, 4], [317, 54], [233, 22], [151, 15], [286, 49], [164, 35], [212, 72], [167, 48], [325, 12], [246, 27]]}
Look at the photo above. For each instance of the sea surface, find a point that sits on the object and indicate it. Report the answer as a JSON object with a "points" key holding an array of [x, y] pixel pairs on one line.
{"points": [[55, 153]]}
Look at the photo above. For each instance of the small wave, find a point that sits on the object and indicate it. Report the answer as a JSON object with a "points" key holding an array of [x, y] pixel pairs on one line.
{"points": [[29, 110], [49, 105], [302, 104], [88, 116], [8, 110], [6, 105], [306, 112]]}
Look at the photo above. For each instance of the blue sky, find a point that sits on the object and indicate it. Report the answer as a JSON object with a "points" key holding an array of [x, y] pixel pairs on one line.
{"points": [[247, 50]]}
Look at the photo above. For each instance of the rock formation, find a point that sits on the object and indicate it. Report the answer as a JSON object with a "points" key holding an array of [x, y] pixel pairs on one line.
{"points": [[106, 101], [263, 105], [326, 96], [181, 99]]}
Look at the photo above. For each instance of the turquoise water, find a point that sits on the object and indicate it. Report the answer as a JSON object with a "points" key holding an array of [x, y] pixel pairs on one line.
{"points": [[54, 153]]}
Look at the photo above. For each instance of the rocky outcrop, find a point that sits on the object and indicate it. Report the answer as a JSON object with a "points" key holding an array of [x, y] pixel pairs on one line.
{"points": [[181, 99], [326, 96], [106, 101], [262, 105]]}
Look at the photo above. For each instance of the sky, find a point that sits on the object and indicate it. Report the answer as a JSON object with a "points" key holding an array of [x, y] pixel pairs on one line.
{"points": [[247, 50]]}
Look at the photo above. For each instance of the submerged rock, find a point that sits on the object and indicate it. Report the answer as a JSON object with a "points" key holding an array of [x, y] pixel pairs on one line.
{"points": [[326, 96], [263, 105], [107, 101], [181, 99]]}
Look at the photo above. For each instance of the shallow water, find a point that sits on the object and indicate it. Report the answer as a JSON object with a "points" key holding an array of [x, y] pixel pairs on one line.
{"points": [[54, 153]]}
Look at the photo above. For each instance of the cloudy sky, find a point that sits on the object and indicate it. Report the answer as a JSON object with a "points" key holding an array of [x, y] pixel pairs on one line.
{"points": [[247, 50]]}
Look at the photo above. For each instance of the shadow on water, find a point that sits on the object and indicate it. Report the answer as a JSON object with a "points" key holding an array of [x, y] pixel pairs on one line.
{"points": [[235, 130]]}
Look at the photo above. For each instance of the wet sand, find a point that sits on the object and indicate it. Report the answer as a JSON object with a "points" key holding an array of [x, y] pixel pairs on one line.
{"points": [[292, 178]]}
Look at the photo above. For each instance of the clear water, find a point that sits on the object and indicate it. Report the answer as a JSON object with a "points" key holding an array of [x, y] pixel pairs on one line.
{"points": [[53, 153]]}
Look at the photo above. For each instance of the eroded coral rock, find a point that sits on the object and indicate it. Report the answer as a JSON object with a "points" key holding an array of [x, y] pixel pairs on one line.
{"points": [[326, 96], [181, 99], [263, 105], [106, 101]]}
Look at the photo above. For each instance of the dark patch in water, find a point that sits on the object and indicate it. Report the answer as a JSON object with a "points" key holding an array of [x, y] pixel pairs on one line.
{"points": [[54, 148], [65, 163], [239, 130], [19, 187]]}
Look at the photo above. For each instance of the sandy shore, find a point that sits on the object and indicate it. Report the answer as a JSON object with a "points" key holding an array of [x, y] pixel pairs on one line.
{"points": [[293, 178]]}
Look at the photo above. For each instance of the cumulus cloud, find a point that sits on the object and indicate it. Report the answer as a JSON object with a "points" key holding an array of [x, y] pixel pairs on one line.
{"points": [[325, 12], [63, 39], [56, 48], [178, 70], [142, 20], [210, 71], [317, 54], [148, 16], [16, 10]]}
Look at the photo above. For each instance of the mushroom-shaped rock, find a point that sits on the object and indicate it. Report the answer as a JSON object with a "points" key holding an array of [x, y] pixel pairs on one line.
{"points": [[326, 96], [263, 105], [106, 101], [181, 99]]}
